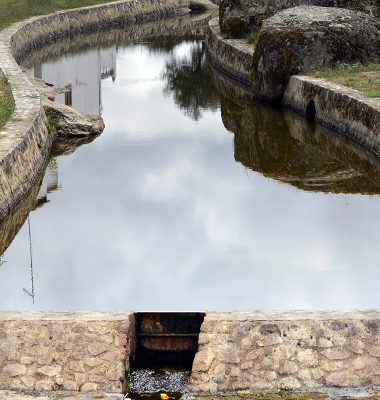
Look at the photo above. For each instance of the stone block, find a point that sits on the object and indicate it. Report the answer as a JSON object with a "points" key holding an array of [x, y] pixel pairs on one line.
{"points": [[307, 358], [334, 366], [317, 373], [26, 360], [247, 365], [76, 366], [288, 368], [96, 348], [363, 362], [89, 387], [13, 370], [116, 372], [80, 378], [357, 346], [45, 384], [93, 362], [322, 342], [273, 339], [253, 355], [304, 374], [269, 376], [290, 382], [343, 379], [219, 373], [50, 370], [374, 351], [270, 363], [235, 371], [28, 381], [203, 360], [338, 353]]}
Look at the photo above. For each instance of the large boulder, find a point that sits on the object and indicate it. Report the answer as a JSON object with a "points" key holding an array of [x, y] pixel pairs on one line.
{"points": [[308, 38], [239, 17]]}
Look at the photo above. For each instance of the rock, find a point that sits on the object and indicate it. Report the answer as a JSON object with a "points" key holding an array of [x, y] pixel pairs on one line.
{"points": [[273, 339], [71, 123], [13, 370], [89, 387], [338, 353], [219, 374], [96, 348], [304, 374], [247, 365], [334, 366], [289, 382], [352, 329], [322, 342], [253, 355], [50, 370], [308, 38], [357, 346], [307, 358], [270, 363], [239, 17], [337, 325], [343, 379], [374, 351], [289, 368], [268, 329], [203, 360], [202, 5], [317, 373], [363, 362]]}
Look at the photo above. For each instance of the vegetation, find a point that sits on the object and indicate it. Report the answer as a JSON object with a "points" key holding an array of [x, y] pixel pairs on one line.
{"points": [[365, 78], [252, 36], [7, 105], [18, 10], [51, 121]]}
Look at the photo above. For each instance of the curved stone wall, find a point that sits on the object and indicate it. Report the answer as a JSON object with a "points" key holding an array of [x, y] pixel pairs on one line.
{"points": [[341, 108], [25, 141]]}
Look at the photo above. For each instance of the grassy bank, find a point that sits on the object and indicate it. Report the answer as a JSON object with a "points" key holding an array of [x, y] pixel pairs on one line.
{"points": [[18, 10], [365, 78], [6, 101]]}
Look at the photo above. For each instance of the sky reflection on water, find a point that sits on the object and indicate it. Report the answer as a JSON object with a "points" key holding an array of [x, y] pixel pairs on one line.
{"points": [[156, 214]]}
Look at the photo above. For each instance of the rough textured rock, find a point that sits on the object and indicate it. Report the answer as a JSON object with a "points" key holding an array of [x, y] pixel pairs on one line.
{"points": [[72, 123], [306, 38], [239, 17]]}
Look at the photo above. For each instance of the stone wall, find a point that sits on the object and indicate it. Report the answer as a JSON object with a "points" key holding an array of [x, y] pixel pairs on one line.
{"points": [[295, 349], [340, 108], [71, 351], [25, 141], [234, 58]]}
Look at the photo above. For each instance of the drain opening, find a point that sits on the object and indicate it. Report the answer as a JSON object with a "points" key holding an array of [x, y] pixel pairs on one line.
{"points": [[311, 110], [166, 344]]}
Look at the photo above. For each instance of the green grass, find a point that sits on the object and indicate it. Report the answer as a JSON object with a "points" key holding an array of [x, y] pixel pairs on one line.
{"points": [[7, 105], [18, 10], [365, 78]]}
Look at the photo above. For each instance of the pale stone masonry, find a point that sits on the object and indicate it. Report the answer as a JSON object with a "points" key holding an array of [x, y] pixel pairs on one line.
{"points": [[295, 349], [72, 351], [91, 351]]}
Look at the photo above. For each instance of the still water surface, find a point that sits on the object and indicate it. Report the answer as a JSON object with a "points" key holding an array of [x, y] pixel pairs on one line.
{"points": [[188, 201]]}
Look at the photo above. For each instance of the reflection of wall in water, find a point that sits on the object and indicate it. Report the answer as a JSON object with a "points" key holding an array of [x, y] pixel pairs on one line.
{"points": [[82, 73], [49, 184]]}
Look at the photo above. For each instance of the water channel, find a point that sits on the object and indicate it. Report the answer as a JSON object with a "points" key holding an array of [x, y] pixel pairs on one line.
{"points": [[193, 198]]}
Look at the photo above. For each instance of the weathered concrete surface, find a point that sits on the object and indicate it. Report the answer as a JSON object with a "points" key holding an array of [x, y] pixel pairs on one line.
{"points": [[25, 142], [297, 349], [341, 108], [247, 15], [72, 351], [309, 38], [234, 58]]}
